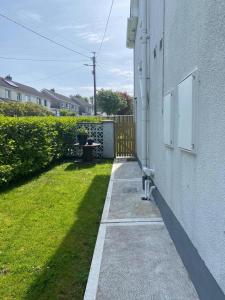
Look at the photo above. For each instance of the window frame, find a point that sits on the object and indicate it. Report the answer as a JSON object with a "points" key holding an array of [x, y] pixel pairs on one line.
{"points": [[169, 143], [19, 96], [39, 101], [194, 110], [7, 91]]}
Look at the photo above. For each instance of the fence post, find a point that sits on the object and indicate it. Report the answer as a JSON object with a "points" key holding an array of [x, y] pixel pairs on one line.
{"points": [[108, 139]]}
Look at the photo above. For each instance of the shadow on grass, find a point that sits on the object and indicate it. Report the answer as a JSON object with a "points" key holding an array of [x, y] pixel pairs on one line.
{"points": [[75, 165], [65, 275], [19, 181], [80, 165]]}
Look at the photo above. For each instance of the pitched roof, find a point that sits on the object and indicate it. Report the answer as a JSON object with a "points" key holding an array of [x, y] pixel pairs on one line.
{"points": [[81, 102], [58, 97], [20, 87], [45, 93]]}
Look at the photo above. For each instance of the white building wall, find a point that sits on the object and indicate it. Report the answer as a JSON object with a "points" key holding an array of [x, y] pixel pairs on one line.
{"points": [[3, 93], [192, 184], [137, 90], [24, 97]]}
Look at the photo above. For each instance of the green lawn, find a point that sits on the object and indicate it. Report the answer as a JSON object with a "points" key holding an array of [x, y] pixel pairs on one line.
{"points": [[48, 229]]}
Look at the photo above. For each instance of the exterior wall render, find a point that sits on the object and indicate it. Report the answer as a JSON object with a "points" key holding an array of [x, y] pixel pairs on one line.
{"points": [[193, 185], [137, 90]]}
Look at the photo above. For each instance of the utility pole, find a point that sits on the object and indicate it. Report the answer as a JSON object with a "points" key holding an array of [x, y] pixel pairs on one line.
{"points": [[94, 76]]}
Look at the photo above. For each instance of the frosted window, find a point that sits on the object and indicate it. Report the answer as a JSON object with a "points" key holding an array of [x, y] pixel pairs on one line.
{"points": [[185, 113], [167, 110]]}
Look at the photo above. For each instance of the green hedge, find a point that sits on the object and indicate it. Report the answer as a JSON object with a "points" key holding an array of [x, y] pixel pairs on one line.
{"points": [[18, 109], [28, 144]]}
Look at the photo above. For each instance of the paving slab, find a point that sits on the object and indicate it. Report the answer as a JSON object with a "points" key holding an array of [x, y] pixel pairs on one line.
{"points": [[141, 262], [127, 170], [134, 256], [126, 202]]}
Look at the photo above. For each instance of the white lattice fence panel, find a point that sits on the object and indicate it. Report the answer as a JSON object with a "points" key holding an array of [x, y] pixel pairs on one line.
{"points": [[95, 130]]}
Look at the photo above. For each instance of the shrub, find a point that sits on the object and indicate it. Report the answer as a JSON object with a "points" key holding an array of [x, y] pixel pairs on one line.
{"points": [[68, 113], [29, 144], [5, 174], [15, 109]]}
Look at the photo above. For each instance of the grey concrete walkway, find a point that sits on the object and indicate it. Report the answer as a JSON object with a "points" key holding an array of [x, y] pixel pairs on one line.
{"points": [[134, 256]]}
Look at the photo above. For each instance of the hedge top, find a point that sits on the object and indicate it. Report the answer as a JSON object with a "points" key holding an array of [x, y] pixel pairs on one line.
{"points": [[76, 120], [21, 109]]}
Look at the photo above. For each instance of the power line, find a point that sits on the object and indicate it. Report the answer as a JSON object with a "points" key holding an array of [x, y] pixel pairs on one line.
{"points": [[101, 68], [42, 36], [71, 42], [106, 27], [34, 59]]}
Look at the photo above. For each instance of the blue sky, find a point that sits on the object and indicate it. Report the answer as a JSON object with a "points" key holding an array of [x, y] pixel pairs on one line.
{"points": [[78, 24]]}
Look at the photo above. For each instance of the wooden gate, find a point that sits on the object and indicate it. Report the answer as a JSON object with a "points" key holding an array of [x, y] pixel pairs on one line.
{"points": [[124, 135]]}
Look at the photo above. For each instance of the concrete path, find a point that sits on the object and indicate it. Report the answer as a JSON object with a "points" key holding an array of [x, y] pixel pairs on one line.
{"points": [[134, 258]]}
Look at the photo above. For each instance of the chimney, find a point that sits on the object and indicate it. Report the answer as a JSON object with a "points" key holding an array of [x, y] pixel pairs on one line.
{"points": [[8, 77], [52, 90]]}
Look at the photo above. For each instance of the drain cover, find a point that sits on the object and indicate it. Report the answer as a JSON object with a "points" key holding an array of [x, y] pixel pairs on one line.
{"points": [[130, 190]]}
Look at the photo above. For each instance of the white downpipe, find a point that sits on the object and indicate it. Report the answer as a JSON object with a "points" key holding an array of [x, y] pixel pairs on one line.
{"points": [[144, 82], [148, 190]]}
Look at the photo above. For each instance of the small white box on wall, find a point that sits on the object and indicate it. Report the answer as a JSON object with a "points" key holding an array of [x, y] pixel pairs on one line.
{"points": [[168, 119], [186, 113]]}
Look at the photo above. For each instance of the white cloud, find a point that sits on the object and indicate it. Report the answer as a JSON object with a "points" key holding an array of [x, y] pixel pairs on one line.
{"points": [[123, 4], [92, 37], [87, 91], [73, 27], [29, 15], [120, 72], [65, 90], [121, 88]]}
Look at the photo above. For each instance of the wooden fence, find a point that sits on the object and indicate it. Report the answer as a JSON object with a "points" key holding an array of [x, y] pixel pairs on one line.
{"points": [[124, 135]]}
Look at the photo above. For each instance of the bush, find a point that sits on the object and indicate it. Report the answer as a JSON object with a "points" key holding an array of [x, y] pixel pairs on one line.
{"points": [[5, 174], [29, 144], [68, 113], [15, 109]]}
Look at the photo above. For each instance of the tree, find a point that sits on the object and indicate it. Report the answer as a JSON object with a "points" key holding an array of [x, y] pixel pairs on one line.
{"points": [[128, 110], [78, 96], [110, 102]]}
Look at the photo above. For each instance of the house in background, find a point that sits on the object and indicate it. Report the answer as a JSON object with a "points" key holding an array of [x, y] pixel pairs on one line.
{"points": [[85, 108], [13, 91], [179, 86], [59, 102]]}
